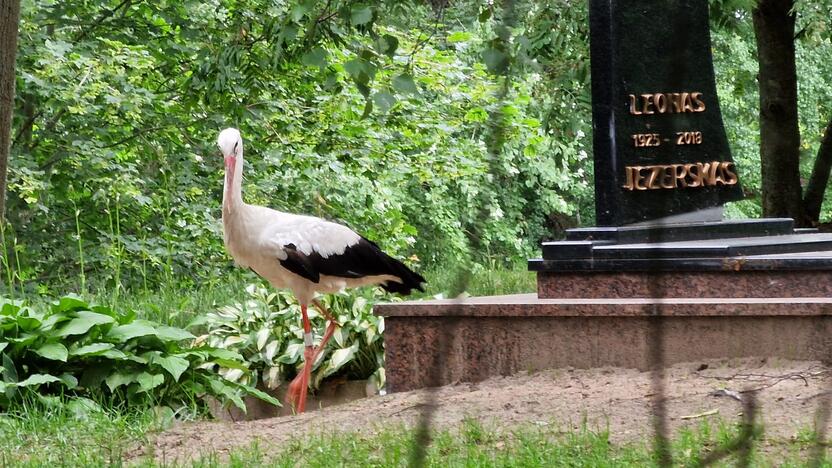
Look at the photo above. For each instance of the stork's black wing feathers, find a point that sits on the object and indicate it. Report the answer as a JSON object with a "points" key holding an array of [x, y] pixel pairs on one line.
{"points": [[361, 259], [299, 264]]}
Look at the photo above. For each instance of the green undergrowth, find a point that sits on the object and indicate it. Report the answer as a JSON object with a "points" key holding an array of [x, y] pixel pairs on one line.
{"points": [[68, 434], [539, 445], [71, 431], [177, 305], [105, 436]]}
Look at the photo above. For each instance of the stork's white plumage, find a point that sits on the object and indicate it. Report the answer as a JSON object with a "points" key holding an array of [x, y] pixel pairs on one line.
{"points": [[305, 254]]}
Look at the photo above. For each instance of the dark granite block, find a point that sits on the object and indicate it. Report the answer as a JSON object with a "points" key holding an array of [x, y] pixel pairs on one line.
{"points": [[687, 231], [809, 261], [655, 108]]}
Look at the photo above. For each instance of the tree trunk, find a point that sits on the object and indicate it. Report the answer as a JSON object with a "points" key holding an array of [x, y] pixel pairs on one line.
{"points": [[820, 177], [9, 20], [779, 132]]}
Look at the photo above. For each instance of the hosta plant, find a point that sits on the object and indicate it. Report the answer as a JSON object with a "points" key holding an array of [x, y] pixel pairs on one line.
{"points": [[76, 348], [266, 330]]}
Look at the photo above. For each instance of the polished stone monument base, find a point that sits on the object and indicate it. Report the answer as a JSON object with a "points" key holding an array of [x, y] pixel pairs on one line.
{"points": [[503, 335], [722, 289]]}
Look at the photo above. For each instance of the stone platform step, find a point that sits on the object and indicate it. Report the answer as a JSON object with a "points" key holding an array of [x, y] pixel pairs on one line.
{"points": [[710, 248], [443, 341], [635, 234]]}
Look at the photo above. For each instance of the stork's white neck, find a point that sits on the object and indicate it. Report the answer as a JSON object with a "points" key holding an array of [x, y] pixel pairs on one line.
{"points": [[232, 195]]}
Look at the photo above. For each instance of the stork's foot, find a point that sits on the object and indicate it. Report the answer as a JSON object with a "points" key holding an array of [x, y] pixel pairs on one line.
{"points": [[296, 393], [293, 393]]}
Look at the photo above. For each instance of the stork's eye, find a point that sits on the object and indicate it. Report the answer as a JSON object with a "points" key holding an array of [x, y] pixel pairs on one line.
{"points": [[235, 145]]}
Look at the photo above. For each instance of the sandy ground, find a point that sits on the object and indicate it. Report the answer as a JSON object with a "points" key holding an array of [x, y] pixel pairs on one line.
{"points": [[788, 394]]}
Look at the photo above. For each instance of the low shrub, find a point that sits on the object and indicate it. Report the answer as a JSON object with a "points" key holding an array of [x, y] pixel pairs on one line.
{"points": [[266, 331], [73, 347]]}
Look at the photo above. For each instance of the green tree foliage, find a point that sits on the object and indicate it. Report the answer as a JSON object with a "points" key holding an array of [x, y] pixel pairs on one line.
{"points": [[735, 55], [449, 133], [379, 115]]}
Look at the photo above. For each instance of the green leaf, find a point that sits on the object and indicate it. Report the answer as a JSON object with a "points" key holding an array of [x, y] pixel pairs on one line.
{"points": [[387, 45], [173, 334], [54, 319], [9, 370], [368, 109], [339, 358], [262, 337], [359, 70], [3, 345], [91, 349], [231, 364], [25, 339], [300, 10], [53, 351], [69, 380], [384, 100], [28, 323], [117, 379], [459, 36], [360, 14], [123, 333], [82, 407], [404, 84], [83, 323], [227, 392], [339, 336], [115, 354], [292, 354], [175, 365], [149, 381], [317, 57], [103, 310], [271, 350], [10, 307], [260, 394], [484, 15], [70, 302], [38, 379], [343, 356], [495, 59], [221, 353]]}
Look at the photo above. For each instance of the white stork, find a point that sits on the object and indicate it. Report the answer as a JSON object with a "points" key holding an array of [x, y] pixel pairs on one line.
{"points": [[305, 254]]}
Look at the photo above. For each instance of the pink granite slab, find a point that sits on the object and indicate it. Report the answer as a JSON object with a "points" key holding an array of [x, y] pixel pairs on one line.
{"points": [[430, 351], [443, 341], [743, 283]]}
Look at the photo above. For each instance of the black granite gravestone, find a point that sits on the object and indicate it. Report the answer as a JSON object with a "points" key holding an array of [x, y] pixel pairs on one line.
{"points": [[659, 143]]}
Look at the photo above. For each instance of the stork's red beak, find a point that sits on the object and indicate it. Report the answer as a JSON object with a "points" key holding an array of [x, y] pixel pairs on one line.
{"points": [[230, 161]]}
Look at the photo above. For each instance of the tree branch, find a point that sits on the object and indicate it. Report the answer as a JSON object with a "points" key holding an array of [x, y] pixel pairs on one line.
{"points": [[813, 198], [101, 18]]}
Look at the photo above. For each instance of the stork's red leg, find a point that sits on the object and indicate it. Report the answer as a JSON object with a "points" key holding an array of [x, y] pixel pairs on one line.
{"points": [[330, 329], [296, 394]]}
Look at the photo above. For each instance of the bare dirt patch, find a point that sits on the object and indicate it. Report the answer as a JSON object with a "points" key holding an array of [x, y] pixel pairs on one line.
{"points": [[609, 398]]}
